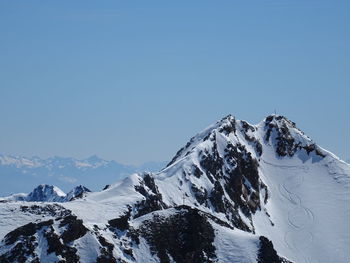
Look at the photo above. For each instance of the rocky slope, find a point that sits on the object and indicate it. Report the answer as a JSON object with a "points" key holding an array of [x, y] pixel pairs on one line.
{"points": [[235, 192]]}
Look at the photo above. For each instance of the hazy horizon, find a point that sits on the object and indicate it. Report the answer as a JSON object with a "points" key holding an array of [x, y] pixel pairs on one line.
{"points": [[134, 82]]}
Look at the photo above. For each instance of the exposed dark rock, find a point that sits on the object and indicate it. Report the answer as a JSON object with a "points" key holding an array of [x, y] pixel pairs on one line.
{"points": [[230, 127], [27, 230], [106, 251], [25, 242], [23, 231], [205, 214], [266, 191], [197, 172], [186, 236], [246, 169], [20, 252], [121, 222], [312, 147], [128, 251], [54, 244], [212, 163], [68, 253], [258, 148], [103, 259], [284, 142], [200, 194], [216, 198], [53, 210], [209, 136], [267, 253], [251, 139], [246, 126], [106, 187], [74, 228], [149, 182], [153, 199], [134, 236]]}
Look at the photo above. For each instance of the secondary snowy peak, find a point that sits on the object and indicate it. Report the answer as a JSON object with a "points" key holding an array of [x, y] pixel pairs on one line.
{"points": [[49, 193], [77, 192], [46, 193]]}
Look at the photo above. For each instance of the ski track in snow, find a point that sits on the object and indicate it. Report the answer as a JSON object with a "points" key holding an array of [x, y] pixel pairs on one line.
{"points": [[299, 218]]}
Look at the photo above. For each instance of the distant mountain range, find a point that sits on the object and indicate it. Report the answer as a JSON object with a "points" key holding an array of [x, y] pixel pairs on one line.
{"points": [[21, 174]]}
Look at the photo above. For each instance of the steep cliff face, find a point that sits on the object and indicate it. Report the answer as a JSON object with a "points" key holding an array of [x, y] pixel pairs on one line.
{"points": [[235, 193]]}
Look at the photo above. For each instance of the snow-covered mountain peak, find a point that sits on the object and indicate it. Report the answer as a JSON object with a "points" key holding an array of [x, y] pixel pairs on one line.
{"points": [[77, 192], [234, 193], [46, 193], [225, 126], [219, 168], [275, 134]]}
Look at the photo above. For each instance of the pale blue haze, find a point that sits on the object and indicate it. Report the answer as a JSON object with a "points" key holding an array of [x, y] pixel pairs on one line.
{"points": [[134, 80]]}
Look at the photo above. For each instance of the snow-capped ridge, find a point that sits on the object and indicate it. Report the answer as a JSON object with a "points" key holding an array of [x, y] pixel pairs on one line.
{"points": [[226, 124], [287, 139], [276, 130], [77, 192], [46, 193]]}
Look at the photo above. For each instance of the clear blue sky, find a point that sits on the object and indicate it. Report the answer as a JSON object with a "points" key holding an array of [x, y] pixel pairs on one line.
{"points": [[134, 80]]}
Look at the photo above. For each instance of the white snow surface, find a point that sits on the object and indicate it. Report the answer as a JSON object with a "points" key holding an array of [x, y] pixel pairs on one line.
{"points": [[235, 245], [309, 206]]}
